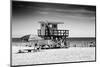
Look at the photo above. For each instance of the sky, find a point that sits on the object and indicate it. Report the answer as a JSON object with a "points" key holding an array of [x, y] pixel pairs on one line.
{"points": [[78, 19]]}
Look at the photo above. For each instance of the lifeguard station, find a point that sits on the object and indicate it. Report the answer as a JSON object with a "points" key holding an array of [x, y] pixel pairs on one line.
{"points": [[50, 31]]}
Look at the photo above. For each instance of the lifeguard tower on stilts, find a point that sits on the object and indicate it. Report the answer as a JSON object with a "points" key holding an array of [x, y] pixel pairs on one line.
{"points": [[50, 31]]}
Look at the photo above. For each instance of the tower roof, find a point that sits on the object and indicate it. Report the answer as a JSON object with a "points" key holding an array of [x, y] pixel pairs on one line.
{"points": [[51, 22]]}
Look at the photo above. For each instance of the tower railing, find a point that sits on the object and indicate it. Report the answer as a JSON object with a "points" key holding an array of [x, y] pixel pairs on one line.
{"points": [[54, 33]]}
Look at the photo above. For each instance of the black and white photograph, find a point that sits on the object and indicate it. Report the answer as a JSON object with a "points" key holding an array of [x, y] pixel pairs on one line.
{"points": [[52, 33]]}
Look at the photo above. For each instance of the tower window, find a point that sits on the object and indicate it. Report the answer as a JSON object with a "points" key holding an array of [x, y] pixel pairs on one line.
{"points": [[55, 26], [42, 25], [50, 26]]}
